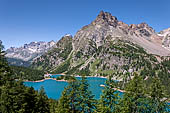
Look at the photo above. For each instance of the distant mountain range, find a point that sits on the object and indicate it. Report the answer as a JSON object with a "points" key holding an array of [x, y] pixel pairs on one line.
{"points": [[105, 44], [25, 54]]}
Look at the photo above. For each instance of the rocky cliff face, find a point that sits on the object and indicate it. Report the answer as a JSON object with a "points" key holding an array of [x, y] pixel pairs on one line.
{"points": [[104, 47], [165, 34], [26, 53]]}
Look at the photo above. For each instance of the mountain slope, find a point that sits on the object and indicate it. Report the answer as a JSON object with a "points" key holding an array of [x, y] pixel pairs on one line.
{"points": [[55, 56], [105, 24], [103, 47]]}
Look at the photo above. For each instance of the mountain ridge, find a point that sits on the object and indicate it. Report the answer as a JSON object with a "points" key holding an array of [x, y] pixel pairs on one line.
{"points": [[104, 46], [27, 52], [107, 25]]}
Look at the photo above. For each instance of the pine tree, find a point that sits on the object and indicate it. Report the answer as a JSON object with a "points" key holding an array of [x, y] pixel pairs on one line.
{"points": [[42, 104], [108, 98], [68, 102], [157, 97], [14, 96], [5, 71], [86, 100], [76, 98], [64, 105], [133, 100]]}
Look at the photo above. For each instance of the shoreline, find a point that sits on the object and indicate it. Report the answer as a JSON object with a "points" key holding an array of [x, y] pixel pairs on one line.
{"points": [[114, 78], [89, 76], [122, 91], [46, 79]]}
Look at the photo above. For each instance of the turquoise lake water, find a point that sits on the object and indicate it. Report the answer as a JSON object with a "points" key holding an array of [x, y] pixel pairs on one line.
{"points": [[54, 88]]}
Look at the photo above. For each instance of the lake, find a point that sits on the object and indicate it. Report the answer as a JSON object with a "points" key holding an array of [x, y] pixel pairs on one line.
{"points": [[54, 88]]}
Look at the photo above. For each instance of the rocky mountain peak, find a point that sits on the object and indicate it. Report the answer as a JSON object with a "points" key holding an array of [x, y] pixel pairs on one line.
{"points": [[107, 25], [142, 25], [105, 18], [68, 35], [64, 40], [120, 23], [146, 26]]}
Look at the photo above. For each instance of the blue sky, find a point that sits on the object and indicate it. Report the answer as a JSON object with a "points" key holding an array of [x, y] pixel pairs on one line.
{"points": [[24, 21]]}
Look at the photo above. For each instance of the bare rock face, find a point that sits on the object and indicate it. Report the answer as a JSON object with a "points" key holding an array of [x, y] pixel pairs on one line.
{"points": [[105, 18], [165, 35], [166, 41], [164, 32], [104, 25]]}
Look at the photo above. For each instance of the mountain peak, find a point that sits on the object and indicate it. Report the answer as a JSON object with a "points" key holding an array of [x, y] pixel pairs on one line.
{"points": [[68, 35], [142, 25], [105, 18]]}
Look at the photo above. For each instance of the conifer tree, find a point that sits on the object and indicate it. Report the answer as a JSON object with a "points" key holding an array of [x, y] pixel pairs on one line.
{"points": [[133, 100], [108, 98], [14, 96], [68, 102], [42, 104], [64, 105], [86, 100], [157, 97]]}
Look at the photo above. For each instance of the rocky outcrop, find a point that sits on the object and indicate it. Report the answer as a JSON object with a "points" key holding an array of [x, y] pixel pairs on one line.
{"points": [[165, 35]]}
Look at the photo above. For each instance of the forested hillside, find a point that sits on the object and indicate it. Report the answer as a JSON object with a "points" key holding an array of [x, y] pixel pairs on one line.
{"points": [[25, 73], [76, 97]]}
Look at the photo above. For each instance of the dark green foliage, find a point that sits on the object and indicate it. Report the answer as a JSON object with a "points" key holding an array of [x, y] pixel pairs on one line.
{"points": [[69, 99], [24, 73], [42, 103], [74, 69], [53, 105], [157, 97], [86, 101], [66, 77], [76, 98], [137, 99], [79, 54], [109, 98], [62, 67], [15, 97], [84, 72], [21, 99], [134, 97]]}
